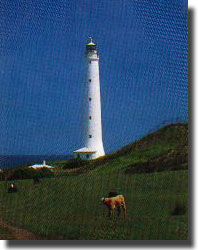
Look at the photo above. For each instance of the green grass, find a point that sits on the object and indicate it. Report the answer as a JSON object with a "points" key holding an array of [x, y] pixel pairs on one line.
{"points": [[5, 234], [70, 207], [122, 162]]}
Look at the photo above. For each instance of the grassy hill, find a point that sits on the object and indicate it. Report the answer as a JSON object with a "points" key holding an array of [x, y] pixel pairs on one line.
{"points": [[69, 207], [165, 149]]}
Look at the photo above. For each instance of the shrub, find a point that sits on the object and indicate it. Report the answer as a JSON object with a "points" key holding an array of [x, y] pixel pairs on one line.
{"points": [[179, 209], [2, 176], [30, 173], [26, 173], [75, 163], [45, 172]]}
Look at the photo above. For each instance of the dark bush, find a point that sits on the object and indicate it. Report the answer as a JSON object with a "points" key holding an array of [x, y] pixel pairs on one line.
{"points": [[170, 161], [2, 176], [45, 172], [75, 163], [26, 173], [30, 173], [179, 209]]}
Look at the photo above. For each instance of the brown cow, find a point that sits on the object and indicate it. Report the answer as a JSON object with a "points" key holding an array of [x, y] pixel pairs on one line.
{"points": [[115, 203]]}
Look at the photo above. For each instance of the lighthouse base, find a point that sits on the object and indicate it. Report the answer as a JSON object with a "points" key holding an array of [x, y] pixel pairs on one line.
{"points": [[88, 154]]}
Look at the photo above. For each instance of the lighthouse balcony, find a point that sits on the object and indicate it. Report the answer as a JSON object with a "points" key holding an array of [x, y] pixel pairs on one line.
{"points": [[90, 47]]}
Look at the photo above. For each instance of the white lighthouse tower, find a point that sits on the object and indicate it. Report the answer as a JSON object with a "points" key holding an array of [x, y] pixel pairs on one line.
{"points": [[93, 145]]}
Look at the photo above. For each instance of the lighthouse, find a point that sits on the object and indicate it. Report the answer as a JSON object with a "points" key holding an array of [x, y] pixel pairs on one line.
{"points": [[93, 144]]}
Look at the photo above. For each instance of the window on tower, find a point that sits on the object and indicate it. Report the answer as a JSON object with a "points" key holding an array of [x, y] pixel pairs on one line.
{"points": [[90, 136], [90, 62], [89, 80], [89, 98], [89, 117]]}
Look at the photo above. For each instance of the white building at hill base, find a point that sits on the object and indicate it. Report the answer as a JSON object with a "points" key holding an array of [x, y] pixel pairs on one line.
{"points": [[38, 166], [93, 144]]}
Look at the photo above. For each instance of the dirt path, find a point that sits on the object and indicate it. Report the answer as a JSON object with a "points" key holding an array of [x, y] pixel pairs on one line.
{"points": [[18, 233]]}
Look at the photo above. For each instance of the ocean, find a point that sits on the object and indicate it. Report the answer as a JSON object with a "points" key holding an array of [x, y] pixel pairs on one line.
{"points": [[14, 161]]}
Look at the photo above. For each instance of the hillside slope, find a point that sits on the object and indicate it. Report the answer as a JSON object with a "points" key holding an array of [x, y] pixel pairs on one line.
{"points": [[165, 149]]}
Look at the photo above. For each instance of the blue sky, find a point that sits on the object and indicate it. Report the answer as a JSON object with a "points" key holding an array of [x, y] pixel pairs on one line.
{"points": [[143, 70]]}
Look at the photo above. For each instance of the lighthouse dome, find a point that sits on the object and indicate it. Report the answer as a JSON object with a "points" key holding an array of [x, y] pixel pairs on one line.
{"points": [[90, 47]]}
